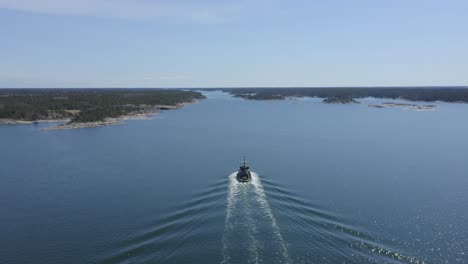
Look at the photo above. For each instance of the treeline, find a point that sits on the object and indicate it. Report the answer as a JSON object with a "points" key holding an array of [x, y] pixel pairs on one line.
{"points": [[85, 105], [430, 94]]}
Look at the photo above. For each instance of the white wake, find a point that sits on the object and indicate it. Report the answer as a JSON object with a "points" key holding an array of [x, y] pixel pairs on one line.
{"points": [[233, 192], [231, 199], [239, 201], [262, 199]]}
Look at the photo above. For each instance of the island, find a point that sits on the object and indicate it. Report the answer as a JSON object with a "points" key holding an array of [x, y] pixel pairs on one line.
{"points": [[339, 100], [453, 94], [412, 107], [83, 108]]}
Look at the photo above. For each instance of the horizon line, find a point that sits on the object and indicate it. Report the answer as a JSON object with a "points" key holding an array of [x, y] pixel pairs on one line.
{"points": [[246, 87]]}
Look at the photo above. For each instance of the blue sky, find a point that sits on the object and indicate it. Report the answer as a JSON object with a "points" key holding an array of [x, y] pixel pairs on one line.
{"points": [[143, 43]]}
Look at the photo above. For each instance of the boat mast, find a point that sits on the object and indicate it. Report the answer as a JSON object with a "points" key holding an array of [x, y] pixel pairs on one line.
{"points": [[244, 160]]}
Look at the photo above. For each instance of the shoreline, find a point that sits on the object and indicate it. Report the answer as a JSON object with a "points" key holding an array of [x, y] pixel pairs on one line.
{"points": [[9, 121], [106, 122], [64, 123], [149, 113], [110, 121]]}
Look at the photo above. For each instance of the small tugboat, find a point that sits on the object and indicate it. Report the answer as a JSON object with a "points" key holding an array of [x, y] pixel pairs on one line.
{"points": [[243, 175]]}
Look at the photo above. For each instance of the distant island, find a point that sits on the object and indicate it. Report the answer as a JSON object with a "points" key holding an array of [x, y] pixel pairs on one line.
{"points": [[339, 100], [412, 107], [80, 108], [343, 94]]}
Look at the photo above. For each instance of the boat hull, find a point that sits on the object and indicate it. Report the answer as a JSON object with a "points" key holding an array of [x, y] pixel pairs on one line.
{"points": [[244, 176]]}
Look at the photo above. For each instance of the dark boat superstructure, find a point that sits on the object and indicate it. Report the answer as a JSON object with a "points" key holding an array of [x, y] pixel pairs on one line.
{"points": [[243, 175]]}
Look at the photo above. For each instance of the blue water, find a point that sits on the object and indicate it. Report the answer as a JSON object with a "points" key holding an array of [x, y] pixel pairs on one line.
{"points": [[335, 184]]}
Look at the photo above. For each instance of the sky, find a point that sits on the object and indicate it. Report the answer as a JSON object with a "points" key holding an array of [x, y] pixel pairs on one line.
{"points": [[242, 43]]}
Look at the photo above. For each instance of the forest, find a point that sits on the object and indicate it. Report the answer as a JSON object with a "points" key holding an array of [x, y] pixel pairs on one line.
{"points": [[86, 105], [426, 94]]}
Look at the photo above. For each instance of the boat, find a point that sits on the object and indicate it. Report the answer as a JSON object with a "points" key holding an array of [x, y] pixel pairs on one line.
{"points": [[244, 175]]}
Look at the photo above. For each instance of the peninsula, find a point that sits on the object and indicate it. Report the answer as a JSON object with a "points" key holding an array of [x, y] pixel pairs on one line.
{"points": [[82, 108]]}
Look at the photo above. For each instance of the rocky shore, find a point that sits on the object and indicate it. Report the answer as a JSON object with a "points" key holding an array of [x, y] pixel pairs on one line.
{"points": [[146, 114], [412, 107], [66, 124], [7, 121]]}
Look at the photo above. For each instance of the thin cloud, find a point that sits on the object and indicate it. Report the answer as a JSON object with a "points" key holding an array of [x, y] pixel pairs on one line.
{"points": [[192, 11]]}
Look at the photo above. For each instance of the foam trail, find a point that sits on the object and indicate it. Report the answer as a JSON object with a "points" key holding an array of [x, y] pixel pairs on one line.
{"points": [[233, 192], [238, 199], [252, 231], [261, 198], [234, 187]]}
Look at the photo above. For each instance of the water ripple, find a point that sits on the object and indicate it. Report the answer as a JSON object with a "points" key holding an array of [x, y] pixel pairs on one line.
{"points": [[257, 222]]}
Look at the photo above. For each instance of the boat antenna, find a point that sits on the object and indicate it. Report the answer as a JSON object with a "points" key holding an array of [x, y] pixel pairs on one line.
{"points": [[244, 160]]}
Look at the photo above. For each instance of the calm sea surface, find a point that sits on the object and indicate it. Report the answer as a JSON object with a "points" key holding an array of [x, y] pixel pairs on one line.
{"points": [[333, 184]]}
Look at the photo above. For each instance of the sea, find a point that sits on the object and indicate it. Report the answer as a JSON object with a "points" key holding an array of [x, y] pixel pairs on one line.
{"points": [[331, 183]]}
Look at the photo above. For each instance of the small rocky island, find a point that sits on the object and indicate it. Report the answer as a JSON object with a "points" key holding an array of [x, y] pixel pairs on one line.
{"points": [[412, 107], [339, 100], [84, 108]]}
